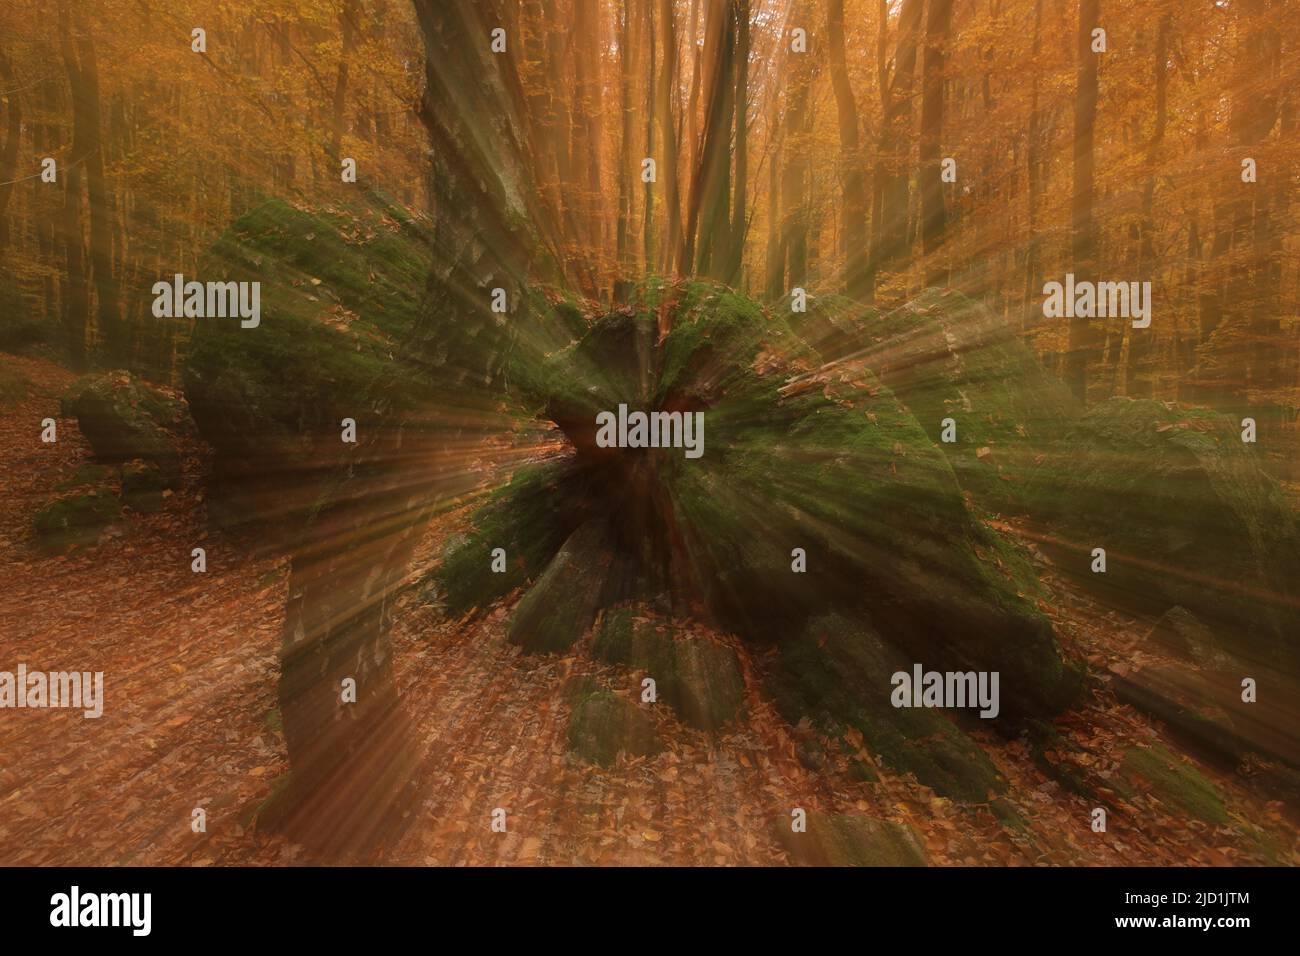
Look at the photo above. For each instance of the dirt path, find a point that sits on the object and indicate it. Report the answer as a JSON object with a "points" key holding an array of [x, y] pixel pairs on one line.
{"points": [[190, 668]]}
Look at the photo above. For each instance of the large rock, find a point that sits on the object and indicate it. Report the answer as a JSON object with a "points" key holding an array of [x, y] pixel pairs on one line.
{"points": [[76, 520], [561, 606], [848, 839], [123, 418], [340, 290], [528, 518], [604, 726], [1187, 516], [1180, 632], [700, 679], [838, 673], [144, 486]]}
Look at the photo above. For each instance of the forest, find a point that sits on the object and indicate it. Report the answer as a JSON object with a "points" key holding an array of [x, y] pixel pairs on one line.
{"points": [[330, 329]]}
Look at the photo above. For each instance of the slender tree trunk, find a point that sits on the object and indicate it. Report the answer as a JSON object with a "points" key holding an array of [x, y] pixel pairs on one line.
{"points": [[76, 295], [9, 151], [852, 174], [1137, 377], [895, 139], [796, 145], [1034, 178], [707, 245], [741, 187], [624, 224], [349, 15], [1082, 225], [672, 189], [933, 215], [648, 241]]}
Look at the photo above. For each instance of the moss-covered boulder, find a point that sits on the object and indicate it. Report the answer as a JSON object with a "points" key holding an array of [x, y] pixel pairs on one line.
{"points": [[838, 673], [699, 678], [122, 419], [850, 839], [562, 604], [85, 475], [144, 486], [528, 518], [604, 726], [340, 290], [76, 520], [1187, 516], [947, 356]]}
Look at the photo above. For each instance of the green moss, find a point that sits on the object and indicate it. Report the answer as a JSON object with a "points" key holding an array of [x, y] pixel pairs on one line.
{"points": [[562, 604], [1175, 782], [87, 473], [274, 723], [838, 672], [699, 679], [143, 484], [116, 413], [529, 518], [76, 519], [948, 356], [604, 726], [341, 294]]}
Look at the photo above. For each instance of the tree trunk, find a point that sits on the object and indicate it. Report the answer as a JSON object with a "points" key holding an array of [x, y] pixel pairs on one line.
{"points": [[9, 151], [672, 190], [740, 189], [852, 177], [708, 229], [1137, 378], [622, 282], [76, 294], [348, 24], [890, 239], [1082, 226], [933, 216], [794, 177], [1034, 180]]}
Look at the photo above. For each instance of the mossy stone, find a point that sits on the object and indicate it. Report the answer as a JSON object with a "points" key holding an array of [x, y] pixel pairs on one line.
{"points": [[1175, 782], [77, 519], [604, 726], [946, 355], [86, 474], [562, 604], [700, 679], [838, 673], [117, 415], [143, 486]]}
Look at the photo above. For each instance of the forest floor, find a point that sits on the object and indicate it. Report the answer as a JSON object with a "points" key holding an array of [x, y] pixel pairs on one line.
{"points": [[190, 721]]}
